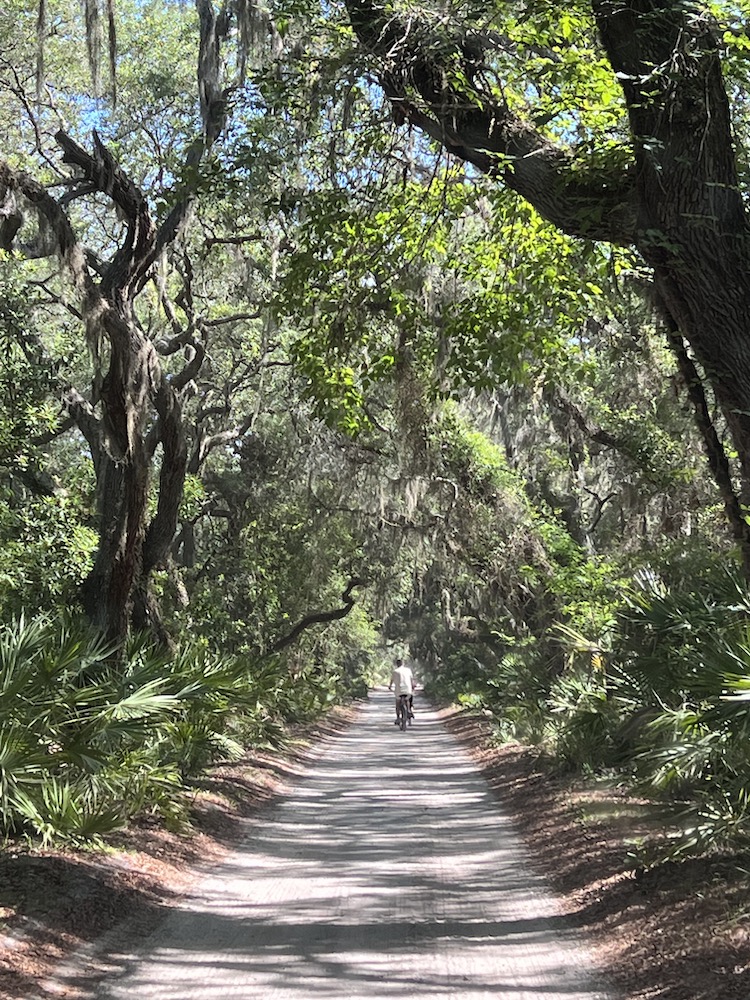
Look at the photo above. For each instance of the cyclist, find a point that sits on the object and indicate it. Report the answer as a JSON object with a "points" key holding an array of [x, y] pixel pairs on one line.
{"points": [[402, 679]]}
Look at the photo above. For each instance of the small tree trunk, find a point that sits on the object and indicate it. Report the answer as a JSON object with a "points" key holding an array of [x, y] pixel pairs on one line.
{"points": [[717, 457]]}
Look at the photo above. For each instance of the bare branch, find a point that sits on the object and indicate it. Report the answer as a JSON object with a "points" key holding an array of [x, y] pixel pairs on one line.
{"points": [[56, 299], [236, 318], [233, 240], [601, 502], [40, 440], [19, 91], [196, 357], [68, 246], [101, 170], [319, 617], [210, 442], [77, 191]]}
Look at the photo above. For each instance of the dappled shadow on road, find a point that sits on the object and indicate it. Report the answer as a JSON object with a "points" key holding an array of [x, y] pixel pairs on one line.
{"points": [[387, 873], [63, 906], [677, 932], [52, 902]]}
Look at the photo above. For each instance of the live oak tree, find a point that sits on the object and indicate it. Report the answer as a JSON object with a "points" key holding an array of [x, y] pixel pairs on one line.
{"points": [[167, 277], [658, 167], [135, 405]]}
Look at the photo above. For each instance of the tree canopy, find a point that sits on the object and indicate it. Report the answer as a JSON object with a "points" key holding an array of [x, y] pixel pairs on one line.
{"points": [[334, 332]]}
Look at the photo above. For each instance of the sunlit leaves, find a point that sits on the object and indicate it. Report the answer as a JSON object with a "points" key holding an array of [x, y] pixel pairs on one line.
{"points": [[477, 283]]}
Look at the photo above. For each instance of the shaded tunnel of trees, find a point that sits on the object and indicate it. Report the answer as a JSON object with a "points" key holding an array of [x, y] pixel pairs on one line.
{"points": [[334, 333]]}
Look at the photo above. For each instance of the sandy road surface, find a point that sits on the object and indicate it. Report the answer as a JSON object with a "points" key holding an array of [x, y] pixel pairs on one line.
{"points": [[388, 872]]}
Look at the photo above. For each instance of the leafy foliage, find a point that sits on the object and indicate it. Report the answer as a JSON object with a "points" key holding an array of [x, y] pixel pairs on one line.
{"points": [[389, 371], [88, 740]]}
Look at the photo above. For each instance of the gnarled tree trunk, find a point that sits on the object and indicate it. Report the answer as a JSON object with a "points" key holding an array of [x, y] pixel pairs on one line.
{"points": [[133, 406]]}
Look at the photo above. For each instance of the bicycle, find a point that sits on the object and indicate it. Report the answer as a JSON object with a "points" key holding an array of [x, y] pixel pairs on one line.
{"points": [[403, 711]]}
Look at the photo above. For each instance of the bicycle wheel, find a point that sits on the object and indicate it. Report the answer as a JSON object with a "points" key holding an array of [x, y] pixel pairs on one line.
{"points": [[403, 713]]}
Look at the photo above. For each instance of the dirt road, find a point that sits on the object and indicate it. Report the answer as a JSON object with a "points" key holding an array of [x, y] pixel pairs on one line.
{"points": [[388, 872]]}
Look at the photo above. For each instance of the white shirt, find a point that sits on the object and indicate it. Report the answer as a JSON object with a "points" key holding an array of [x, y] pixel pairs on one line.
{"points": [[403, 680]]}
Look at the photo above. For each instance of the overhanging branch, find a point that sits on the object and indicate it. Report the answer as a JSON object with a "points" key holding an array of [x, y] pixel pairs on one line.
{"points": [[319, 617], [417, 69]]}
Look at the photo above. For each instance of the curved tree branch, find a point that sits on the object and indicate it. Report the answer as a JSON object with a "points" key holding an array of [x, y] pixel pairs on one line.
{"points": [[69, 248], [319, 617], [418, 67], [100, 170]]}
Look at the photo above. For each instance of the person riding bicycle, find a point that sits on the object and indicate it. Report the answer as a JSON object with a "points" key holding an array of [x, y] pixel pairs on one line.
{"points": [[402, 679]]}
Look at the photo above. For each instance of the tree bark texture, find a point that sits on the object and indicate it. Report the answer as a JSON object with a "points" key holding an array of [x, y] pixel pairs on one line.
{"points": [[680, 205], [693, 228], [130, 392]]}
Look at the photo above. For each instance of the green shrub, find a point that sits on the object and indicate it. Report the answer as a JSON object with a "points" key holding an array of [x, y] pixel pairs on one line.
{"points": [[90, 737]]}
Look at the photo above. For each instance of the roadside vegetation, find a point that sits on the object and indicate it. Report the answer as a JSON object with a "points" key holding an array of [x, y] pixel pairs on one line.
{"points": [[292, 382]]}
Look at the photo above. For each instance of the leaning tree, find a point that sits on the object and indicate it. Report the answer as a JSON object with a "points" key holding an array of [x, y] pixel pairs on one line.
{"points": [[501, 89]]}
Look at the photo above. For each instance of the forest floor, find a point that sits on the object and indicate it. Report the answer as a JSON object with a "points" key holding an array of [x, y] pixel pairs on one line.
{"points": [[677, 932]]}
